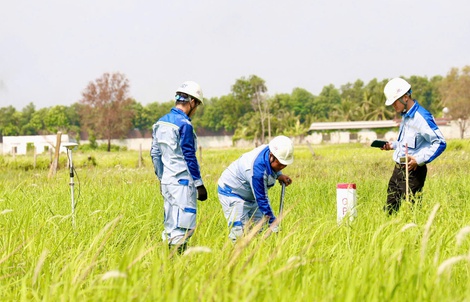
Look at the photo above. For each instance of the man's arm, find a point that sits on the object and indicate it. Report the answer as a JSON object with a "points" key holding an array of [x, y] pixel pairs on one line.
{"points": [[260, 189], [156, 154], [436, 143], [189, 152]]}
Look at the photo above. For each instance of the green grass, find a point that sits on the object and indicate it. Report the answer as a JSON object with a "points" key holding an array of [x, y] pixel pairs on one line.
{"points": [[115, 252]]}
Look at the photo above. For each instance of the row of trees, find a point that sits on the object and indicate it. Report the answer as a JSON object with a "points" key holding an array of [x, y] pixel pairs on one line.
{"points": [[106, 110]]}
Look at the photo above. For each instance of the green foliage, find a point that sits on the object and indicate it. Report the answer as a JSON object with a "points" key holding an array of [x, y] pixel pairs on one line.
{"points": [[455, 91], [353, 92], [92, 140], [302, 101], [458, 145], [56, 119], [426, 92], [26, 116], [326, 102], [347, 110], [36, 124], [247, 128], [26, 162], [373, 103], [222, 113], [87, 147], [9, 124], [247, 110], [113, 148], [110, 250], [157, 110], [101, 147], [145, 117]]}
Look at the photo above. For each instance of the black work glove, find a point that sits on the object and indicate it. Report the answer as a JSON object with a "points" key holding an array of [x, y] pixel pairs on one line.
{"points": [[201, 193]]}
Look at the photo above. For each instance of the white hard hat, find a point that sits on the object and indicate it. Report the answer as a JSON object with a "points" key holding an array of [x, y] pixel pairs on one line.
{"points": [[191, 88], [283, 149], [395, 89]]}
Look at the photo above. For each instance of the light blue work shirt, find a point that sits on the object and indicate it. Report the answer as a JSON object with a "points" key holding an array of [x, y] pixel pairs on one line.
{"points": [[419, 131], [249, 178], [173, 151]]}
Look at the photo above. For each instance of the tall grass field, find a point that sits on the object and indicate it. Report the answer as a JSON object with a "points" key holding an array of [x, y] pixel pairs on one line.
{"points": [[111, 249]]}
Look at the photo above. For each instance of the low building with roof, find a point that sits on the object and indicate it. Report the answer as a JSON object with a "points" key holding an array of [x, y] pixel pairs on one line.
{"points": [[22, 144], [368, 131]]}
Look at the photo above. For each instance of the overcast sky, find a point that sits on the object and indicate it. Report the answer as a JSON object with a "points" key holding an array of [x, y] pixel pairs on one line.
{"points": [[51, 49]]}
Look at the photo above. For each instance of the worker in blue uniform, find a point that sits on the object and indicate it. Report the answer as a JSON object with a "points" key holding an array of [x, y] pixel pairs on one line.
{"points": [[173, 153], [419, 142]]}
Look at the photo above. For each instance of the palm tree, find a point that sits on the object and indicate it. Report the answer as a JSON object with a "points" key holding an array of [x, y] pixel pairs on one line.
{"points": [[373, 108], [344, 111]]}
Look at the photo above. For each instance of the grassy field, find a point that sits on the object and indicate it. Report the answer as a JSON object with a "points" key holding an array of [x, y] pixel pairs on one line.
{"points": [[114, 251]]}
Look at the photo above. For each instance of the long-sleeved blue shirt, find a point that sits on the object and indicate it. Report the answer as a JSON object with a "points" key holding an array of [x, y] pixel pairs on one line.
{"points": [[249, 178], [173, 151], [419, 130]]}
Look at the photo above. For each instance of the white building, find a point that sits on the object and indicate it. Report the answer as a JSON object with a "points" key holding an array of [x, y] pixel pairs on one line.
{"points": [[327, 132], [42, 143], [363, 131], [340, 132]]}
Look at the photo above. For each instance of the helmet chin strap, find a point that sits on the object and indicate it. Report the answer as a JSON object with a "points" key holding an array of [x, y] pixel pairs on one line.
{"points": [[404, 103], [192, 107]]}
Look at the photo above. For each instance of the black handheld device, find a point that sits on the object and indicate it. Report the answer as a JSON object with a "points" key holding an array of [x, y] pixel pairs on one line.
{"points": [[378, 143]]}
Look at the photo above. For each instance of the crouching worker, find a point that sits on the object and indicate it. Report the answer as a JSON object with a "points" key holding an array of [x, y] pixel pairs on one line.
{"points": [[173, 153], [243, 186]]}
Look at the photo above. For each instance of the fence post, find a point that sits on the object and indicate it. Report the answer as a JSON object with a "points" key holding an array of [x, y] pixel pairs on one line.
{"points": [[35, 156], [311, 149], [140, 156], [55, 161], [200, 155]]}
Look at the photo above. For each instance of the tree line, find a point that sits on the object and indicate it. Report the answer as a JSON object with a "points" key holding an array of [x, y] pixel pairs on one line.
{"points": [[106, 111]]}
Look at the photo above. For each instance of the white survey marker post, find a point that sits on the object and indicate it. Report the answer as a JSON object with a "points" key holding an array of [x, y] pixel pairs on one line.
{"points": [[346, 201]]}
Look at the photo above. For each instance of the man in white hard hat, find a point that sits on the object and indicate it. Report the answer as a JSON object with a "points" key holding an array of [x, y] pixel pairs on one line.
{"points": [[243, 186], [173, 152], [419, 140]]}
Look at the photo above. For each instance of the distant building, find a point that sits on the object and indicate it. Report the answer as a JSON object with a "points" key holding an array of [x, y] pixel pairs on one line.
{"points": [[346, 132], [366, 131], [354, 125], [42, 143], [318, 133]]}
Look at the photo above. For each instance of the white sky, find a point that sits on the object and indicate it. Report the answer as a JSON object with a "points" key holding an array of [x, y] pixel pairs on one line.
{"points": [[51, 49]]}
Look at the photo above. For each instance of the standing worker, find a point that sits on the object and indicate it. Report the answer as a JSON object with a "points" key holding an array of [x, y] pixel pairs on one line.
{"points": [[243, 186], [173, 152], [419, 140]]}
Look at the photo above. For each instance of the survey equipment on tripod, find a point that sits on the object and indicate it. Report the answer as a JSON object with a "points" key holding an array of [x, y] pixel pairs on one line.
{"points": [[69, 147]]}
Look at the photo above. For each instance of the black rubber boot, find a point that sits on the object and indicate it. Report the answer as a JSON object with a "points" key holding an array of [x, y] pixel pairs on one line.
{"points": [[180, 248]]}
